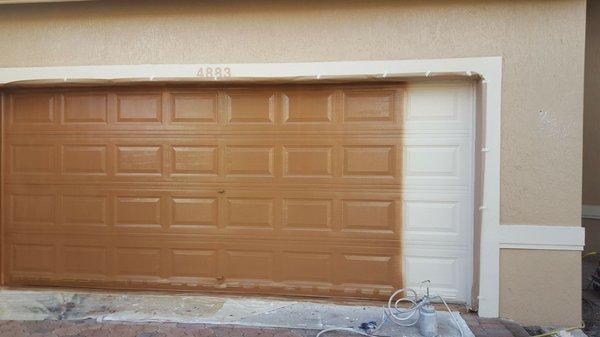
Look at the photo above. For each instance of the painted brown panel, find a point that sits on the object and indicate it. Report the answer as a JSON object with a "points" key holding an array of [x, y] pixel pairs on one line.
{"points": [[84, 159], [193, 263], [246, 189], [85, 260], [32, 108], [250, 213], [308, 106], [85, 108], [368, 160], [84, 210], [137, 211], [250, 107], [194, 108], [139, 160], [194, 212], [250, 160], [368, 215], [308, 266], [142, 262], [33, 258], [32, 209], [375, 269], [196, 160], [369, 105], [249, 265], [307, 161], [33, 159], [307, 214], [139, 108]]}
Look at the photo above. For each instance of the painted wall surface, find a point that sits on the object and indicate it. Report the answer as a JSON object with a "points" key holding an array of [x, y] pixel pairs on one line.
{"points": [[542, 43], [591, 121], [542, 281]]}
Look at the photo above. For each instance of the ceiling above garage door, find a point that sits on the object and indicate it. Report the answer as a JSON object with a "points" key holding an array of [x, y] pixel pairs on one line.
{"points": [[262, 189]]}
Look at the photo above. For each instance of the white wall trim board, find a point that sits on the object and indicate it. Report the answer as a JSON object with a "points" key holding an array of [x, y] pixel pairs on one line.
{"points": [[590, 211], [350, 70], [489, 69], [542, 237]]}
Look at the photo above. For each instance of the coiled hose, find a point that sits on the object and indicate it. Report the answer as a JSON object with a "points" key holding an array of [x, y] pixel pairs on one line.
{"points": [[400, 316]]}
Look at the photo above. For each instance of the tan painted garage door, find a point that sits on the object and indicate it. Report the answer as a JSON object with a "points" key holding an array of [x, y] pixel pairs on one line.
{"points": [[268, 189]]}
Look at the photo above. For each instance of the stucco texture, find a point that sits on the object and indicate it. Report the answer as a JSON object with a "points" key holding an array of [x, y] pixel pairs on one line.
{"points": [[546, 282], [541, 42]]}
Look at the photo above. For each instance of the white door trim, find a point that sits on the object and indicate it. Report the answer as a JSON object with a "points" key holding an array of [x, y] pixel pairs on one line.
{"points": [[489, 69]]}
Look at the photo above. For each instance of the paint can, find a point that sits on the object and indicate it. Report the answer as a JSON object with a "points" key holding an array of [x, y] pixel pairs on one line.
{"points": [[428, 321]]}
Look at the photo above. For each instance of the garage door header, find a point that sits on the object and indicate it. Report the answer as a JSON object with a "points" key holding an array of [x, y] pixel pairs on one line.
{"points": [[250, 72]]}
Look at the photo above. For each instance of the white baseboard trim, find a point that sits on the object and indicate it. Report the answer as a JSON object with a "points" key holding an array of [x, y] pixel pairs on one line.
{"points": [[542, 237], [590, 211]]}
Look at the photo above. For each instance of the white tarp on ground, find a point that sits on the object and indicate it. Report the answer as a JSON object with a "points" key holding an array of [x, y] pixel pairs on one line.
{"points": [[198, 308]]}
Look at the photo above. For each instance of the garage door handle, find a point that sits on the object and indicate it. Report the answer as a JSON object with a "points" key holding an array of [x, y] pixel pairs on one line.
{"points": [[221, 191]]}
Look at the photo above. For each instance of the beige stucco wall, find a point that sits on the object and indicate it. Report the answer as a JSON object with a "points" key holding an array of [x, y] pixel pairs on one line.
{"points": [[542, 43], [591, 126], [529, 278]]}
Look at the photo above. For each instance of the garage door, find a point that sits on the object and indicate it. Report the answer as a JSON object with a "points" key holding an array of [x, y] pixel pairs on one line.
{"points": [[437, 185], [262, 189]]}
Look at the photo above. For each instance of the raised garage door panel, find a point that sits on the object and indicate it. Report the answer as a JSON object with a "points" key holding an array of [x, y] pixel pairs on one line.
{"points": [[273, 189], [437, 184], [325, 190]]}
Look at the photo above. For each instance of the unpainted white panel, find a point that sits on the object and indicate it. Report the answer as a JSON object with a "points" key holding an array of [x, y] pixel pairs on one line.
{"points": [[437, 182], [437, 218], [445, 106], [437, 161], [445, 269]]}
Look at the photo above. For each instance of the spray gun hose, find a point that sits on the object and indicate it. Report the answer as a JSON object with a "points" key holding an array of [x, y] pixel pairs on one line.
{"points": [[400, 316]]}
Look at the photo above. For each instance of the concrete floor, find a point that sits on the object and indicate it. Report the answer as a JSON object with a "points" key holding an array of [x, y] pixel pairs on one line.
{"points": [[90, 328], [26, 305]]}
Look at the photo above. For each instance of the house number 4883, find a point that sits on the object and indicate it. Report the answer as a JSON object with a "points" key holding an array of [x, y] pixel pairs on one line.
{"points": [[214, 72]]}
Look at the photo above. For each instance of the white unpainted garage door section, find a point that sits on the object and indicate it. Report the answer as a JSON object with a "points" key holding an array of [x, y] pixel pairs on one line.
{"points": [[438, 187]]}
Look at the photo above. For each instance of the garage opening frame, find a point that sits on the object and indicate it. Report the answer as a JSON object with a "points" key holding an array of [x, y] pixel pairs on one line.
{"points": [[488, 70]]}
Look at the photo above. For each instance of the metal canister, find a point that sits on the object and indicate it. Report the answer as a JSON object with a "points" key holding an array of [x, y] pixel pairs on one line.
{"points": [[428, 321]]}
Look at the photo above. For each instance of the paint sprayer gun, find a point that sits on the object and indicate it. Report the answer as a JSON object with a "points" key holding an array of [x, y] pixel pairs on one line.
{"points": [[427, 316], [420, 313]]}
